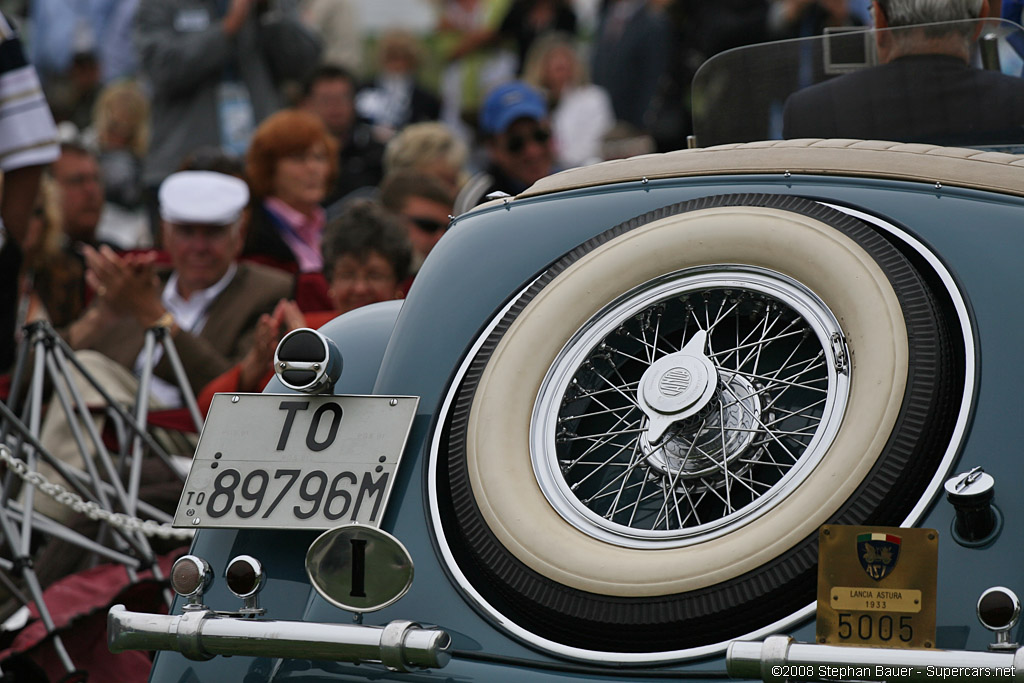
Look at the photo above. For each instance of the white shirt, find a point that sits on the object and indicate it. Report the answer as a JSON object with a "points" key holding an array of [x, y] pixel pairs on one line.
{"points": [[190, 315], [580, 121]]}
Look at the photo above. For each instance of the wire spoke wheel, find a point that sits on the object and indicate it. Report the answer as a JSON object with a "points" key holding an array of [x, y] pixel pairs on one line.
{"points": [[641, 436]]}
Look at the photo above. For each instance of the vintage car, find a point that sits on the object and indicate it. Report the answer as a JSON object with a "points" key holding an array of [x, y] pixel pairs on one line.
{"points": [[615, 425]]}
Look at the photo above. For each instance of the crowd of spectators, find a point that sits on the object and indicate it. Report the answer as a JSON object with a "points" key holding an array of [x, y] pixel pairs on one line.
{"points": [[352, 152]]}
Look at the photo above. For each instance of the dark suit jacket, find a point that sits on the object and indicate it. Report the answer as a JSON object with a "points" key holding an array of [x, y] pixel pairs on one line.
{"points": [[224, 339], [631, 66], [263, 241], [921, 98]]}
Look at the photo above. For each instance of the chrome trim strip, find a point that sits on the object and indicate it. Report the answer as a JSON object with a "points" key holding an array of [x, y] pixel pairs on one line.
{"points": [[780, 658], [202, 634]]}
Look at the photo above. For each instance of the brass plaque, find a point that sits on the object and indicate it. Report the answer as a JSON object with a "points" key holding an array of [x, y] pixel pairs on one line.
{"points": [[876, 586], [875, 599]]}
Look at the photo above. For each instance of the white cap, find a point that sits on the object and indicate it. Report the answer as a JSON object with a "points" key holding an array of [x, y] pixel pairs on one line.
{"points": [[202, 197]]}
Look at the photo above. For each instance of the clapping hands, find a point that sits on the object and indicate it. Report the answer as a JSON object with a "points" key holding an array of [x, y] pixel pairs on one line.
{"points": [[126, 284], [285, 317]]}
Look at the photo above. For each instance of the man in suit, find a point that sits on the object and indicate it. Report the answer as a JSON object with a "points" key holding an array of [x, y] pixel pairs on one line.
{"points": [[924, 90]]}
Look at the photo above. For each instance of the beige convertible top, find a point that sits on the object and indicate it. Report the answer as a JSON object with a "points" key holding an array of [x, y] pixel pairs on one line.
{"points": [[970, 168]]}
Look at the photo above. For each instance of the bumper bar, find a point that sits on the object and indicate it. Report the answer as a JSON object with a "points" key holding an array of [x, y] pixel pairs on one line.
{"points": [[202, 634], [779, 659]]}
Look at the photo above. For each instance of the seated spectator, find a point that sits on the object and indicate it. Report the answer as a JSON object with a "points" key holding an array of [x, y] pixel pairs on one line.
{"points": [[61, 285], [425, 205], [581, 112], [395, 98], [290, 165], [518, 142], [80, 185], [367, 259], [120, 136], [209, 304], [431, 148], [330, 94]]}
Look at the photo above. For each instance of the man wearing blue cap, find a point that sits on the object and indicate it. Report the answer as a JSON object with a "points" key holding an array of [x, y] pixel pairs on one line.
{"points": [[514, 121]]}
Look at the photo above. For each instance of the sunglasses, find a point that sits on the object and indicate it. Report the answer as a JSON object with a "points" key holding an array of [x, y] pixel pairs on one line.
{"points": [[428, 225], [517, 143]]}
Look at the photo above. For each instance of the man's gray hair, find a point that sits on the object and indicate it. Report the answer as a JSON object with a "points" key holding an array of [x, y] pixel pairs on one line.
{"points": [[909, 12]]}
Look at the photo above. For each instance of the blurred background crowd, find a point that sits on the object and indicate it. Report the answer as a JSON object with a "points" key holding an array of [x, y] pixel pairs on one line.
{"points": [[358, 126]]}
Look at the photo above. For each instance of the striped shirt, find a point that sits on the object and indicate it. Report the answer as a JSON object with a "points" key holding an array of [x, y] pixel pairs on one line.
{"points": [[28, 136]]}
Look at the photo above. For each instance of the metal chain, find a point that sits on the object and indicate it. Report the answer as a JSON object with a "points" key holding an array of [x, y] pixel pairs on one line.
{"points": [[90, 509]]}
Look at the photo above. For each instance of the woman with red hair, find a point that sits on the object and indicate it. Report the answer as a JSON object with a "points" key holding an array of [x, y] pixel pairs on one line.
{"points": [[291, 162]]}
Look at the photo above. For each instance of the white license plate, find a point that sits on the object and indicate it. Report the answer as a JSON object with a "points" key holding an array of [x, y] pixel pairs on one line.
{"points": [[286, 461]]}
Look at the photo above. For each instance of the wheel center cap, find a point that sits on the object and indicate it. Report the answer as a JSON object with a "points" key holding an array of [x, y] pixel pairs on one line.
{"points": [[676, 386], [675, 383]]}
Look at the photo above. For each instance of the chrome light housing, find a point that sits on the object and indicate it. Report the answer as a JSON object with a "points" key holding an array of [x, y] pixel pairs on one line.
{"points": [[307, 361]]}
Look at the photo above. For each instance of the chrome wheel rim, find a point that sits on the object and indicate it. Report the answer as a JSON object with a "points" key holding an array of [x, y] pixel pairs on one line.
{"points": [[689, 406]]}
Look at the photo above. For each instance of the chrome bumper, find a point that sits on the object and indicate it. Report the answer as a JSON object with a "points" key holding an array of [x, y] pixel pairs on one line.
{"points": [[780, 658], [202, 634]]}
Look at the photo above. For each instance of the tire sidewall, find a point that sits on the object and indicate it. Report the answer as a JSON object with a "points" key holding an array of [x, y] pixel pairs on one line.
{"points": [[829, 263]]}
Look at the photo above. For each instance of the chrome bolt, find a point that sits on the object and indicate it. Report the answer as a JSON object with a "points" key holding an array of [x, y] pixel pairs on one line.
{"points": [[235, 399]]}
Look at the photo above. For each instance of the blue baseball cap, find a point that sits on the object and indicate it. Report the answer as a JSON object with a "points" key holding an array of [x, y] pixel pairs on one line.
{"points": [[508, 102]]}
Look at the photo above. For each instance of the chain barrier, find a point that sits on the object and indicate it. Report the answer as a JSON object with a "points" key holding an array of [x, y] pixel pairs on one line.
{"points": [[90, 509]]}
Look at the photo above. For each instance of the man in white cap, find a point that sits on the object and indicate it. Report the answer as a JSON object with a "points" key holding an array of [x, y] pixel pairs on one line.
{"points": [[209, 303]]}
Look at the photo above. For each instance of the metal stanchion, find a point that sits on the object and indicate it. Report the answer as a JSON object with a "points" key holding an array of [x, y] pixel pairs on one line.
{"points": [[96, 488]]}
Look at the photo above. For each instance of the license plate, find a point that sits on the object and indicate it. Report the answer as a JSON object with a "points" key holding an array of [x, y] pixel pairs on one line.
{"points": [[877, 586], [272, 461]]}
